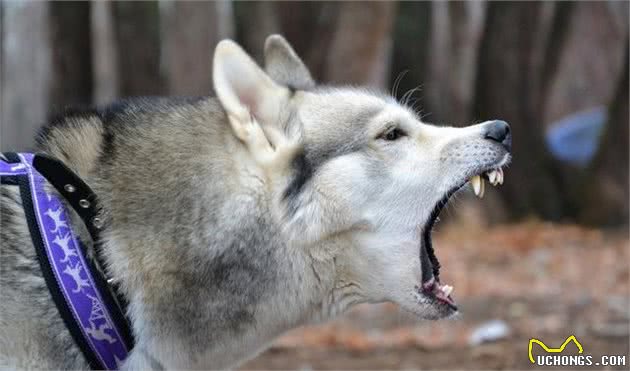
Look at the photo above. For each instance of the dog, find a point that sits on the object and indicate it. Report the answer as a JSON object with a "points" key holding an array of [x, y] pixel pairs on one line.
{"points": [[232, 219]]}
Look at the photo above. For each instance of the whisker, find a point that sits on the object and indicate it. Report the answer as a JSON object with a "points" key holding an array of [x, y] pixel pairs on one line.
{"points": [[415, 103], [397, 81], [405, 98], [425, 115]]}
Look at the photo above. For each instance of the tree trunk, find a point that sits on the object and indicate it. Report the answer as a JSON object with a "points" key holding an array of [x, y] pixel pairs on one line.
{"points": [[457, 29], [137, 35], [25, 73], [255, 20], [361, 47], [104, 53], [300, 23], [190, 32], [559, 33], [573, 79], [71, 73], [411, 54], [605, 186], [316, 57], [308, 25], [508, 87]]}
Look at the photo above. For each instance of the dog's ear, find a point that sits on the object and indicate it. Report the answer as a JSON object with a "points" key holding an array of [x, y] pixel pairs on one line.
{"points": [[244, 89], [284, 66]]}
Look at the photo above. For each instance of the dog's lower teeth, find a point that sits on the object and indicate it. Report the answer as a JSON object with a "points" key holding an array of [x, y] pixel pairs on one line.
{"points": [[447, 290]]}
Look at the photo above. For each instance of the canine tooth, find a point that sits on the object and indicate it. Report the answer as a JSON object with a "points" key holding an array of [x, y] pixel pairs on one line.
{"points": [[483, 188], [476, 182], [500, 176]]}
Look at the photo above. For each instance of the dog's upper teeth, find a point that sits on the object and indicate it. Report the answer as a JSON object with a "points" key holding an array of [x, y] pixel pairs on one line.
{"points": [[478, 185], [495, 176], [492, 177]]}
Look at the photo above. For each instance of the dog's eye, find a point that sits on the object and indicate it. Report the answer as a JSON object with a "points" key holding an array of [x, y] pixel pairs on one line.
{"points": [[393, 134]]}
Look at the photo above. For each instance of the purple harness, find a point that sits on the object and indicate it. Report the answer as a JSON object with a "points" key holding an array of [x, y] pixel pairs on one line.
{"points": [[89, 306]]}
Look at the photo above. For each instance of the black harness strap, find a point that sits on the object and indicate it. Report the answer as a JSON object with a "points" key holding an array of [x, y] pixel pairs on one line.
{"points": [[84, 201], [65, 313], [78, 194]]}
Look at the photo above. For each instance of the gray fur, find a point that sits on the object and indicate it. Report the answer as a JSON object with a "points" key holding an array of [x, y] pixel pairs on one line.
{"points": [[222, 239]]}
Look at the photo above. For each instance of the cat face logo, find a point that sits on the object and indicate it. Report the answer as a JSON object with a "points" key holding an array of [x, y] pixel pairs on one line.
{"points": [[553, 350]]}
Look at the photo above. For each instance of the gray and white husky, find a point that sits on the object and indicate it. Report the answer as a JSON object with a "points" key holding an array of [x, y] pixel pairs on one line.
{"points": [[232, 219]]}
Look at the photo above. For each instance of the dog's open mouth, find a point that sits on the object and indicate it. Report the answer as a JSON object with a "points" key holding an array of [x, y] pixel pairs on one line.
{"points": [[431, 286]]}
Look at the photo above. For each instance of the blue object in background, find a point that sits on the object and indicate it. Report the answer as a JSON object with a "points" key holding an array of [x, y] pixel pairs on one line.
{"points": [[575, 138]]}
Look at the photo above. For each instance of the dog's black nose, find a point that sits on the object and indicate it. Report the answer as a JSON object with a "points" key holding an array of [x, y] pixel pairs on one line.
{"points": [[499, 131]]}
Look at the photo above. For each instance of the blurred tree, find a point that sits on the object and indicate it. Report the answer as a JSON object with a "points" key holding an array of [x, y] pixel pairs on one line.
{"points": [[71, 65], [361, 46], [528, 63], [104, 53], [136, 28], [411, 50], [559, 34], [457, 28], [309, 26], [188, 42], [297, 20], [604, 186], [25, 72], [583, 58], [255, 20], [573, 79], [339, 41], [306, 25], [508, 87]]}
